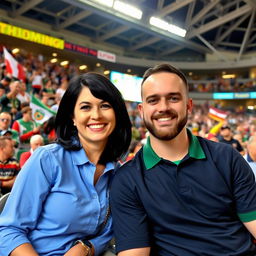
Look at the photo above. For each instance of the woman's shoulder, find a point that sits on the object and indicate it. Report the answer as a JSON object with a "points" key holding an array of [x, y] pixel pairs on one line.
{"points": [[52, 148]]}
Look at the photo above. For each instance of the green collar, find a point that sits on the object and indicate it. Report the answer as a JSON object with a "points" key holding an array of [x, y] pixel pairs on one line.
{"points": [[151, 158]]}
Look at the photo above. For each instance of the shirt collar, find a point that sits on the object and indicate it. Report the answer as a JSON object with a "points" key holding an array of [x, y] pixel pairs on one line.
{"points": [[79, 158], [151, 159]]}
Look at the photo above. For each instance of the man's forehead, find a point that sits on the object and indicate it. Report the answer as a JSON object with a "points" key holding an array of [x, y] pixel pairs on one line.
{"points": [[168, 82], [4, 115]]}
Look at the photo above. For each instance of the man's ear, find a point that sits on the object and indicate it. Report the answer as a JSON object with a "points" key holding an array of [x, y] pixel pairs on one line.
{"points": [[190, 105], [140, 109]]}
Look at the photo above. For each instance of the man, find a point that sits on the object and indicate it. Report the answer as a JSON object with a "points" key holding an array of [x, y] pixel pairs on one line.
{"points": [[9, 101], [9, 167], [5, 122], [227, 137], [35, 142], [181, 194], [26, 128], [4, 85], [250, 157]]}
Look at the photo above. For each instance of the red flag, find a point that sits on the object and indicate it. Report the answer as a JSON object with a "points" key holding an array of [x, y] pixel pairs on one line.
{"points": [[217, 114], [13, 67]]}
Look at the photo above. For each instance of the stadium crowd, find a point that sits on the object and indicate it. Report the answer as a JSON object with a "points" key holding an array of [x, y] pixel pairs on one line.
{"points": [[48, 81]]}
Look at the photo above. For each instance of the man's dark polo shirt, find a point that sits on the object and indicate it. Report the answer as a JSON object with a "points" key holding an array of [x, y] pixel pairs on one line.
{"points": [[193, 208]]}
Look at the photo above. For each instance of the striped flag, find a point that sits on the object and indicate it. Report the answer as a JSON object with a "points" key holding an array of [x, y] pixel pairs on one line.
{"points": [[217, 114], [13, 67], [40, 112]]}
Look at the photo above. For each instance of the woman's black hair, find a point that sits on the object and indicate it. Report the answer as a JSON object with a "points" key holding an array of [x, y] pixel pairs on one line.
{"points": [[101, 88]]}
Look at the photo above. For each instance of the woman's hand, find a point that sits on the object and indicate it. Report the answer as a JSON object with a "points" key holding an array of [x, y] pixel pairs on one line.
{"points": [[76, 250]]}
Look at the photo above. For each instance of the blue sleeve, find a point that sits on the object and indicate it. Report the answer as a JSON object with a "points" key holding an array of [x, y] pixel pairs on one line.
{"points": [[101, 241], [23, 207]]}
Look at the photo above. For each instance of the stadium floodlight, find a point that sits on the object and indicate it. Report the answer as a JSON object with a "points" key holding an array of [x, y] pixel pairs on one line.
{"points": [[159, 23], [128, 9], [177, 30], [164, 25], [108, 3]]}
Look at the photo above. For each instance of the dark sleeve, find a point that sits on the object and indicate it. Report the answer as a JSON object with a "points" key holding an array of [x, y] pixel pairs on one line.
{"points": [[4, 100], [244, 188], [129, 217]]}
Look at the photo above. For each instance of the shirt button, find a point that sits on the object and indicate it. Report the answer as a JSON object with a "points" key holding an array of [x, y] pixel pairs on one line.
{"points": [[94, 196]]}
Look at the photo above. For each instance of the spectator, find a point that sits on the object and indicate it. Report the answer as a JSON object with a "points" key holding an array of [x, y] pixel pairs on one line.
{"points": [[250, 156], [37, 81], [63, 87], [5, 121], [9, 101], [35, 141], [59, 204], [26, 128], [227, 137], [181, 194], [4, 85], [23, 95], [135, 146], [49, 132], [9, 166]]}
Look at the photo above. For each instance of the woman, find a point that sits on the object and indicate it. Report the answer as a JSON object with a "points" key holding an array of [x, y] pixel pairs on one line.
{"points": [[61, 195]]}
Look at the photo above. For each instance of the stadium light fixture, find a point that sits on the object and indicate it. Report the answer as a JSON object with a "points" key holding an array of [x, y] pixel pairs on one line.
{"points": [[164, 25], [54, 60], [228, 76], [64, 63], [15, 50], [108, 3], [128, 9], [83, 67]]}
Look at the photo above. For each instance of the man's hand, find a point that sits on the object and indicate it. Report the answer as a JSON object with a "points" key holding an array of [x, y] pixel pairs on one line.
{"points": [[76, 250]]}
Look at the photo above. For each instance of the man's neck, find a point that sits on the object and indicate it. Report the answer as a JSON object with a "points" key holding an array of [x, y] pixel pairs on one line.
{"points": [[174, 149]]}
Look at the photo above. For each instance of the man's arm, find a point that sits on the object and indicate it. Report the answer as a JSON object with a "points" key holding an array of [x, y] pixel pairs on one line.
{"points": [[251, 226], [136, 252]]}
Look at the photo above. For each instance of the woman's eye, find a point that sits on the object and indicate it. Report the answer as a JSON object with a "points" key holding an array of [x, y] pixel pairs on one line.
{"points": [[85, 107], [106, 106]]}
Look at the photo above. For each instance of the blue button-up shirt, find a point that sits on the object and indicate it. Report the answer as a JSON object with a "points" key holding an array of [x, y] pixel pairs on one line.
{"points": [[55, 202]]}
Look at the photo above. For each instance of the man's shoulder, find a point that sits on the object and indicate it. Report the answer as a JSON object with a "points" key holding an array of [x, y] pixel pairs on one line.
{"points": [[215, 148], [131, 168]]}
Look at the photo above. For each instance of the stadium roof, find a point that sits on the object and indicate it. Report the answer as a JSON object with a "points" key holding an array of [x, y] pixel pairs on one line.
{"points": [[213, 26]]}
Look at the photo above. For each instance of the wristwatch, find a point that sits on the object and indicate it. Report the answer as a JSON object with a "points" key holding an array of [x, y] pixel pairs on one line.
{"points": [[87, 245]]}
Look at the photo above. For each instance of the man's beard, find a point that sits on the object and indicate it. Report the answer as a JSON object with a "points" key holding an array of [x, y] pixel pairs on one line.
{"points": [[173, 132]]}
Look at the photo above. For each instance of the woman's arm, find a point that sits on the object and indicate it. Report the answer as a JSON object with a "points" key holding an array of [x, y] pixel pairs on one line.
{"points": [[24, 250], [23, 207]]}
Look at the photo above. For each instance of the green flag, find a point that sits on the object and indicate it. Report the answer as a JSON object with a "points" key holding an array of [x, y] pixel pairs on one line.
{"points": [[40, 112]]}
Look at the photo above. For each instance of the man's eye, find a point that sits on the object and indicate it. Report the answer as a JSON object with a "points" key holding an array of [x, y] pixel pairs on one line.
{"points": [[151, 101], [174, 99]]}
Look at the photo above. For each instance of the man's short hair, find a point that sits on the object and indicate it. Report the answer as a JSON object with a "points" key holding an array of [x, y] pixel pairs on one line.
{"points": [[26, 109], [164, 67], [7, 79]]}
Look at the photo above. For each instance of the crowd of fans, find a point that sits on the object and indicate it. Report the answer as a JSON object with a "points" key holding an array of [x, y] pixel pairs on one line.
{"points": [[48, 82], [223, 85]]}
